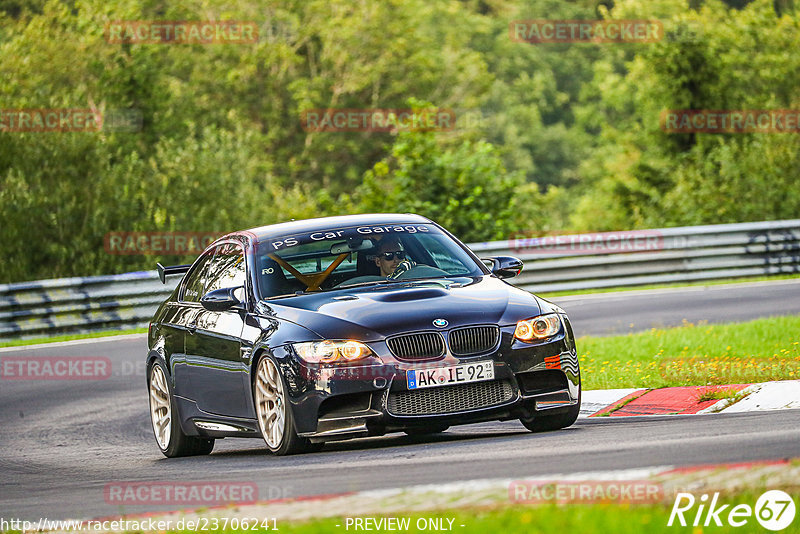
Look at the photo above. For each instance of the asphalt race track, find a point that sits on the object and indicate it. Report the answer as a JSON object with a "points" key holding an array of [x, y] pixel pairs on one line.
{"points": [[63, 441], [632, 311]]}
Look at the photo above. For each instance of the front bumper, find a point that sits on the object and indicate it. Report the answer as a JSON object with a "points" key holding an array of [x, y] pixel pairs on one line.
{"points": [[337, 402]]}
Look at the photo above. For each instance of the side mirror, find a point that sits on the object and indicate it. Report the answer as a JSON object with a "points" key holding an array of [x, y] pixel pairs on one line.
{"points": [[221, 299], [505, 266]]}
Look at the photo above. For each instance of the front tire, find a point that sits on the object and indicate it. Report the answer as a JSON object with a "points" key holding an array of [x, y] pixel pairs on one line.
{"points": [[163, 412], [274, 415]]}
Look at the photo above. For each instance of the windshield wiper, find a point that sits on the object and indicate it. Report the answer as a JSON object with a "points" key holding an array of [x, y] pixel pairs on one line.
{"points": [[362, 284], [273, 297]]}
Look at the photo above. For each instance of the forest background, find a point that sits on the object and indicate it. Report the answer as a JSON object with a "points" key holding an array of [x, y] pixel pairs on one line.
{"points": [[551, 137]]}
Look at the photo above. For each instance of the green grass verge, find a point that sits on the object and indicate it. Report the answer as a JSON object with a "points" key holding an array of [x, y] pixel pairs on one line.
{"points": [[723, 281], [703, 354], [70, 337]]}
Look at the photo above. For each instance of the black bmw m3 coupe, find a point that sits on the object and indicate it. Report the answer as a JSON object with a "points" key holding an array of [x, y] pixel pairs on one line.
{"points": [[334, 328]]}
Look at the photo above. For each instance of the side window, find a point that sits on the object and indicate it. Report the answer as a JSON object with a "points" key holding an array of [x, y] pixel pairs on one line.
{"points": [[193, 287], [227, 268]]}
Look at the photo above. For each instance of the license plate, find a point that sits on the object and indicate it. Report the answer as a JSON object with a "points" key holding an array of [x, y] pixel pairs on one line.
{"points": [[445, 376]]}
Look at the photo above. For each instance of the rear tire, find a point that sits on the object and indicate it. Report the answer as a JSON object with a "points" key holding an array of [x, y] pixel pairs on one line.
{"points": [[164, 418]]}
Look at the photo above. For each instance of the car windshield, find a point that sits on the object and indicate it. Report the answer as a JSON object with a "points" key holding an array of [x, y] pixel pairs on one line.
{"points": [[336, 258]]}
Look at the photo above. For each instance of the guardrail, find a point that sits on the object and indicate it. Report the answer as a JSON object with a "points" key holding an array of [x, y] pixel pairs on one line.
{"points": [[554, 263], [82, 304], [666, 255]]}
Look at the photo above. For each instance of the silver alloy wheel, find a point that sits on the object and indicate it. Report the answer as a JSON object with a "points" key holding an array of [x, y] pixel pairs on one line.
{"points": [[160, 407], [270, 403]]}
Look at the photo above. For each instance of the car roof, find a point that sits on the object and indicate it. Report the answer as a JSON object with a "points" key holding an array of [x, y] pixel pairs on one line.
{"points": [[325, 223]]}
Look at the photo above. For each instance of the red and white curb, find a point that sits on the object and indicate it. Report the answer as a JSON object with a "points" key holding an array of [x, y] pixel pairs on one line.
{"points": [[781, 395]]}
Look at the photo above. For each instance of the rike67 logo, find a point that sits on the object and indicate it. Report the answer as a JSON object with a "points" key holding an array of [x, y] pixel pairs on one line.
{"points": [[774, 510]]}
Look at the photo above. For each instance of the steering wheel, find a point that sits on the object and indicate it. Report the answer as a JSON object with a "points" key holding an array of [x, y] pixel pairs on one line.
{"points": [[419, 271], [402, 267]]}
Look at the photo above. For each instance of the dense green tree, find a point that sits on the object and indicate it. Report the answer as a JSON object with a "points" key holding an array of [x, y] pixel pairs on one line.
{"points": [[560, 136], [712, 58], [463, 187]]}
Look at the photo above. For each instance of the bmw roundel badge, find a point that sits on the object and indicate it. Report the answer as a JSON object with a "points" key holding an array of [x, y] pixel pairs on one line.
{"points": [[440, 323]]}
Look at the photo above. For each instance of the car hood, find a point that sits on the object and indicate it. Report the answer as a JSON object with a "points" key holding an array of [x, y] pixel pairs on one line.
{"points": [[373, 312]]}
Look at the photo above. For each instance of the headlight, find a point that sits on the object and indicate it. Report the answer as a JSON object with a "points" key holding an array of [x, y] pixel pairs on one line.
{"points": [[538, 327], [332, 351]]}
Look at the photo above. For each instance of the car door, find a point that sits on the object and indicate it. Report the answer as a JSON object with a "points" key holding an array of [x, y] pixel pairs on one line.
{"points": [[177, 319], [218, 373]]}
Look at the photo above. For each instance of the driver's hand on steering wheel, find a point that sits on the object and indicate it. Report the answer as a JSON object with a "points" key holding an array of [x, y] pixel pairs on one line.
{"points": [[402, 267]]}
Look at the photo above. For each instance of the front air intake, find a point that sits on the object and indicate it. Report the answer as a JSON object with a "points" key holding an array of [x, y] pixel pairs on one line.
{"points": [[443, 400]]}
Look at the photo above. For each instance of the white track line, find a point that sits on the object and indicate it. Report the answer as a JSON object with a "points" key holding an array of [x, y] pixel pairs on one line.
{"points": [[667, 290], [592, 401], [87, 341], [780, 395]]}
